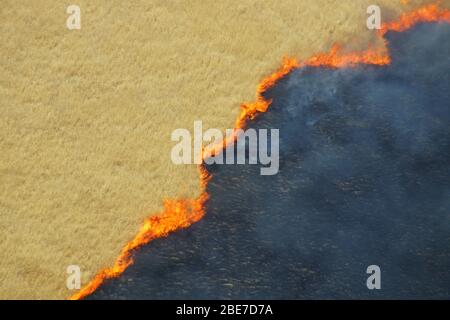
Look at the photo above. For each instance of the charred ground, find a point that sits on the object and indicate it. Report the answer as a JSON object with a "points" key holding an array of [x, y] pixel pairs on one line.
{"points": [[364, 179]]}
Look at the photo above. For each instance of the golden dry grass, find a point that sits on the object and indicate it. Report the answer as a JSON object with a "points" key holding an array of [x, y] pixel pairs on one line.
{"points": [[87, 115]]}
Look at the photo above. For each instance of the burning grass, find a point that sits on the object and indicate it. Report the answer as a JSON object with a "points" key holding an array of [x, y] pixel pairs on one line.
{"points": [[178, 214], [87, 116]]}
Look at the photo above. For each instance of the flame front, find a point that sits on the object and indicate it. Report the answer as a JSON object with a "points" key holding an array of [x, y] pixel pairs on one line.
{"points": [[429, 13], [180, 214], [177, 214]]}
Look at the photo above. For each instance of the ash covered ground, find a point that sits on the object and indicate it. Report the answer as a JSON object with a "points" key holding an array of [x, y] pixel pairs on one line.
{"points": [[364, 179]]}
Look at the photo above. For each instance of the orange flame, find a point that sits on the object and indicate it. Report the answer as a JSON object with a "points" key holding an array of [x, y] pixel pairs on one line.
{"points": [[429, 13], [336, 59], [177, 214], [180, 214], [250, 110]]}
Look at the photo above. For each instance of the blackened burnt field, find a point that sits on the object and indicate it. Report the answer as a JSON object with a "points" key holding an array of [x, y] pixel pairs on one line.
{"points": [[364, 179]]}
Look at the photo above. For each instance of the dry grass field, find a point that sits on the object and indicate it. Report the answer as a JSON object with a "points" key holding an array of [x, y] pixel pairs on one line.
{"points": [[86, 115]]}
